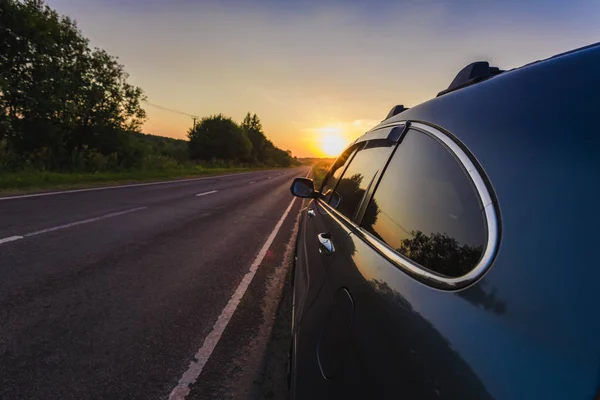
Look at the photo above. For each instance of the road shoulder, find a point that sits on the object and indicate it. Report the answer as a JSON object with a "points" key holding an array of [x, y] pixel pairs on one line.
{"points": [[50, 181], [236, 370]]}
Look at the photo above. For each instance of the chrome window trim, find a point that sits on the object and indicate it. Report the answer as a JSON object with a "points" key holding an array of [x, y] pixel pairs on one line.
{"points": [[430, 277], [338, 216], [491, 222], [465, 160]]}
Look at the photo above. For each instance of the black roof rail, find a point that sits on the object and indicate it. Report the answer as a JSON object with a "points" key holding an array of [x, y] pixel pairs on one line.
{"points": [[396, 110], [470, 75]]}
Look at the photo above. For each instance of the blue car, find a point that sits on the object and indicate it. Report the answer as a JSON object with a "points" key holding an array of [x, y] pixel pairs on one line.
{"points": [[450, 252]]}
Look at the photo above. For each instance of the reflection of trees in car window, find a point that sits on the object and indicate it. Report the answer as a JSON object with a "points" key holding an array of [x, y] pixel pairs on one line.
{"points": [[370, 217], [438, 251], [348, 194], [441, 250], [336, 170], [441, 253], [360, 175], [426, 208]]}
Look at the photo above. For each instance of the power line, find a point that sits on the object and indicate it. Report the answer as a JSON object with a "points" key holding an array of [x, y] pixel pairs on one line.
{"points": [[194, 117], [170, 110]]}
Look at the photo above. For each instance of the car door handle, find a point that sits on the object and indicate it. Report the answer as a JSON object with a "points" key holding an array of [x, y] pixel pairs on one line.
{"points": [[311, 212], [325, 245]]}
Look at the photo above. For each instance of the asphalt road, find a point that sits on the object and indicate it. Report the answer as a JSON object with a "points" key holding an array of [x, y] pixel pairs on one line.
{"points": [[110, 294]]}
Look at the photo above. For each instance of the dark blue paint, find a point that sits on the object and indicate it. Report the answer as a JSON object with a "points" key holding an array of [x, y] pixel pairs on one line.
{"points": [[530, 328]]}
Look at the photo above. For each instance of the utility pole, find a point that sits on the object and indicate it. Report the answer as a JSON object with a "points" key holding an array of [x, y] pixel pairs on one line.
{"points": [[194, 126]]}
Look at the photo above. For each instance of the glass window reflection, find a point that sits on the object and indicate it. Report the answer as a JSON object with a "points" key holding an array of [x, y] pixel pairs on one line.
{"points": [[337, 168], [427, 209], [359, 175]]}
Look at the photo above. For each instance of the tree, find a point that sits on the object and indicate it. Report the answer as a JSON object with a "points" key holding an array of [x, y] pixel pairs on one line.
{"points": [[253, 128], [263, 150], [59, 98], [440, 252], [218, 136]]}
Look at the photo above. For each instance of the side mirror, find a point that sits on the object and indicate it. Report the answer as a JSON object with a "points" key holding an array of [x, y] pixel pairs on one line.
{"points": [[303, 187]]}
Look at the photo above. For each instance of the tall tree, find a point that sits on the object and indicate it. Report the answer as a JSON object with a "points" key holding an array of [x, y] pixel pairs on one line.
{"points": [[57, 96], [253, 128], [263, 150], [220, 137]]}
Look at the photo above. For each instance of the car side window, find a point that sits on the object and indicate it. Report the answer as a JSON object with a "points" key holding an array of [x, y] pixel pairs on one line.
{"points": [[427, 208], [360, 175], [336, 171]]}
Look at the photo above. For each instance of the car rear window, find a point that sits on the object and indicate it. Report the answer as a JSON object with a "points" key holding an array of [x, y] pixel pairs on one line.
{"points": [[427, 209]]}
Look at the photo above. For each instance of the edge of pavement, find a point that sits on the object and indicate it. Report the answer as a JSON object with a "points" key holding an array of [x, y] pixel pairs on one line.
{"points": [[46, 190], [250, 361]]}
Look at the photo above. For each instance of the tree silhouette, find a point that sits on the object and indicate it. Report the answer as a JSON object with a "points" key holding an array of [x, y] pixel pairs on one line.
{"points": [[441, 253], [253, 128], [347, 197], [348, 193], [66, 106], [219, 137], [59, 98], [263, 150], [479, 295]]}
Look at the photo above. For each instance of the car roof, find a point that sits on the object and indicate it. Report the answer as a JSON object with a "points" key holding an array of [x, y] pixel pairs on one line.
{"points": [[383, 129]]}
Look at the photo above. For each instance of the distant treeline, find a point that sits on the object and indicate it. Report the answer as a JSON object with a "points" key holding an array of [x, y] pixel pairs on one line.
{"points": [[220, 137], [67, 107]]}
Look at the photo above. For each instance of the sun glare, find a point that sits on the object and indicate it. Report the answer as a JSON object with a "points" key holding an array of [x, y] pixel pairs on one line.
{"points": [[331, 142]]}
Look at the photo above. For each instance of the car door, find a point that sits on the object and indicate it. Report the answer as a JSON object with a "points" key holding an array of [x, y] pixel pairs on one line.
{"points": [[311, 265], [326, 317], [426, 227], [313, 257]]}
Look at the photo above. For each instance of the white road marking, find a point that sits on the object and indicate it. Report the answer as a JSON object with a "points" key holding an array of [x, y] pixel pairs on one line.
{"points": [[250, 183], [210, 342], [10, 239], [205, 193], [69, 225], [85, 221], [269, 177], [25, 196]]}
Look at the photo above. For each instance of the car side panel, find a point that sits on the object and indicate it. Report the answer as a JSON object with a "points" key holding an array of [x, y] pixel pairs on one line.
{"points": [[431, 344], [312, 267], [313, 300], [535, 133], [530, 327]]}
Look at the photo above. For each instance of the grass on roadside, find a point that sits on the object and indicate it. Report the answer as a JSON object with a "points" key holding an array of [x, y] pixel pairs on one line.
{"points": [[17, 182]]}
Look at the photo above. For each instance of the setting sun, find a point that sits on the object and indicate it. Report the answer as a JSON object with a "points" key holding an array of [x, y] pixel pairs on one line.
{"points": [[331, 141]]}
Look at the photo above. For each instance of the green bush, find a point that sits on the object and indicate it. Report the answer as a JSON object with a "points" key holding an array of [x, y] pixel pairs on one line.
{"points": [[95, 162], [158, 162]]}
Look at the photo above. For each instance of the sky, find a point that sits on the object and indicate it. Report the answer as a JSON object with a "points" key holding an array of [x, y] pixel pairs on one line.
{"points": [[317, 73]]}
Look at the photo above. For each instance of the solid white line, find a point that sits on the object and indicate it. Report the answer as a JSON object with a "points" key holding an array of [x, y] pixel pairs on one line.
{"points": [[85, 221], [205, 193], [25, 196], [10, 239], [210, 342]]}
